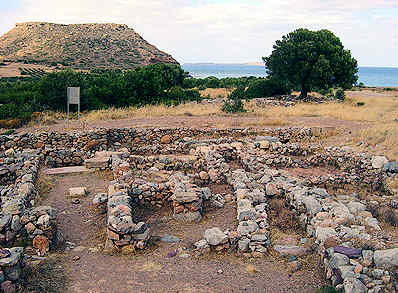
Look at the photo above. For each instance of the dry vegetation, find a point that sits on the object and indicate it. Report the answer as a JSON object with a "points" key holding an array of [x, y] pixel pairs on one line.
{"points": [[152, 111], [47, 276], [215, 93], [377, 111]]}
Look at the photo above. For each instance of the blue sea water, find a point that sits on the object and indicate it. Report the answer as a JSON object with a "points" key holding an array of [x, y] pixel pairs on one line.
{"points": [[370, 76]]}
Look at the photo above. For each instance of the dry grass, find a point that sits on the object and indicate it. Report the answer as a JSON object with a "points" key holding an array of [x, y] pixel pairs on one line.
{"points": [[46, 184], [375, 109], [384, 134], [251, 269], [191, 109], [49, 276], [104, 174], [281, 216], [46, 118], [379, 111], [215, 93], [150, 267], [265, 122]]}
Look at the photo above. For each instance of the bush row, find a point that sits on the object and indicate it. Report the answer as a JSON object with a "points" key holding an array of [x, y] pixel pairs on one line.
{"points": [[154, 84]]}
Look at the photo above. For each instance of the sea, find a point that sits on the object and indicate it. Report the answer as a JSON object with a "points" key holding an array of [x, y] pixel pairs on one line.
{"points": [[369, 76]]}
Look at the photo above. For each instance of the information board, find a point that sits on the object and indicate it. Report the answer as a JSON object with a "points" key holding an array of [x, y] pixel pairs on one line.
{"points": [[74, 95]]}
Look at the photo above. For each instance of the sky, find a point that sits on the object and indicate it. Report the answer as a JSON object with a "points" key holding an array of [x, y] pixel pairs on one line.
{"points": [[227, 31]]}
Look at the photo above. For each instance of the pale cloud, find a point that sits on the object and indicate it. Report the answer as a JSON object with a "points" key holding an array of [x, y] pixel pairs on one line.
{"points": [[231, 31]]}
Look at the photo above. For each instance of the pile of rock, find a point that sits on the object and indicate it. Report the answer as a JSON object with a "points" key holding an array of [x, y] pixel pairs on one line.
{"points": [[290, 100], [122, 231], [164, 162], [215, 161], [271, 102], [361, 270], [187, 199], [252, 204], [63, 158], [272, 145], [11, 264]]}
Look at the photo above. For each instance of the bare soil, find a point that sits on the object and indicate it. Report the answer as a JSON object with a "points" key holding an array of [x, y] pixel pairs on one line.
{"points": [[203, 122], [154, 270]]}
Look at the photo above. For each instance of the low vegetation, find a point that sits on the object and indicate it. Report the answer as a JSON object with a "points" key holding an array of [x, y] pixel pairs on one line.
{"points": [[154, 84]]}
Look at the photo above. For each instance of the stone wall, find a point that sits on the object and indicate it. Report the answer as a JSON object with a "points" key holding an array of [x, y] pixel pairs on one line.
{"points": [[11, 264], [114, 139], [19, 218]]}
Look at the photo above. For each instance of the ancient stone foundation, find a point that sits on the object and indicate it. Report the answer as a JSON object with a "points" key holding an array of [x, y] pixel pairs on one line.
{"points": [[174, 168]]}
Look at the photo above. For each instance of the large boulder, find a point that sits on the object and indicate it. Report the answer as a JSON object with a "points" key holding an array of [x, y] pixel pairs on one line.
{"points": [[387, 258], [379, 161], [356, 207], [353, 285], [14, 256], [324, 233], [185, 197], [215, 236], [284, 250], [312, 205]]}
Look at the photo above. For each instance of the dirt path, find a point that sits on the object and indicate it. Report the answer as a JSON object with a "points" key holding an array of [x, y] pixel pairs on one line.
{"points": [[156, 270]]}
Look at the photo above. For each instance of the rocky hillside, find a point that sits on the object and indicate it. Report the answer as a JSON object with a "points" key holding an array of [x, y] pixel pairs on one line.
{"points": [[79, 45]]}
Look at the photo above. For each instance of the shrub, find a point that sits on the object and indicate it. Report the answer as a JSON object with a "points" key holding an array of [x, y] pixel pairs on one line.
{"points": [[8, 132], [340, 94], [233, 106], [177, 95], [239, 93], [9, 111], [327, 92], [266, 88], [234, 102]]}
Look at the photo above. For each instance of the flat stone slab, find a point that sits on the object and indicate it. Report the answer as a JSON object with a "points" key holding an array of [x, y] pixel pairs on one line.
{"points": [[285, 250], [67, 170], [77, 191], [185, 197], [107, 154], [96, 163]]}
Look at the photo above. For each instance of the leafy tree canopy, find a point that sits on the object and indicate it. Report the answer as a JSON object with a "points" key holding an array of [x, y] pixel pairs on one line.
{"points": [[312, 59]]}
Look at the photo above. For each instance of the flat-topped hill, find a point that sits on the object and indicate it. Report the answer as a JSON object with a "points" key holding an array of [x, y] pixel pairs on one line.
{"points": [[80, 45]]}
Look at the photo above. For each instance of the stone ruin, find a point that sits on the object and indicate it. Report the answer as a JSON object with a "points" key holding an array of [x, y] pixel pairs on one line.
{"points": [[255, 164]]}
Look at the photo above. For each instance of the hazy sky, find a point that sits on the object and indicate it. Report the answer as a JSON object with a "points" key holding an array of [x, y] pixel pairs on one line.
{"points": [[227, 31]]}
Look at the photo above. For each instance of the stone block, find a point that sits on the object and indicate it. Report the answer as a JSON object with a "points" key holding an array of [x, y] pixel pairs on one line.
{"points": [[77, 191], [97, 163]]}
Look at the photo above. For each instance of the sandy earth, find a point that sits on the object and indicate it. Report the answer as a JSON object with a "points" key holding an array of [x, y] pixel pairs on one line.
{"points": [[155, 270]]}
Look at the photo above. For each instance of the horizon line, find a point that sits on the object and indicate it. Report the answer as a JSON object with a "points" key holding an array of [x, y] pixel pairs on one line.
{"points": [[259, 64]]}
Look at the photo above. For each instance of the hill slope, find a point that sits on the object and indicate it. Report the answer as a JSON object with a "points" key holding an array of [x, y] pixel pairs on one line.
{"points": [[80, 45]]}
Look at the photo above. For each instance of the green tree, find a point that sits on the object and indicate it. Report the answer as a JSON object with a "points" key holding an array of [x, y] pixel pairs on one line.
{"points": [[312, 59]]}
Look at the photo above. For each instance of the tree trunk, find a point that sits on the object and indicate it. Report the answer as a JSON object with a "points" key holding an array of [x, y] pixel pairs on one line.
{"points": [[304, 92]]}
